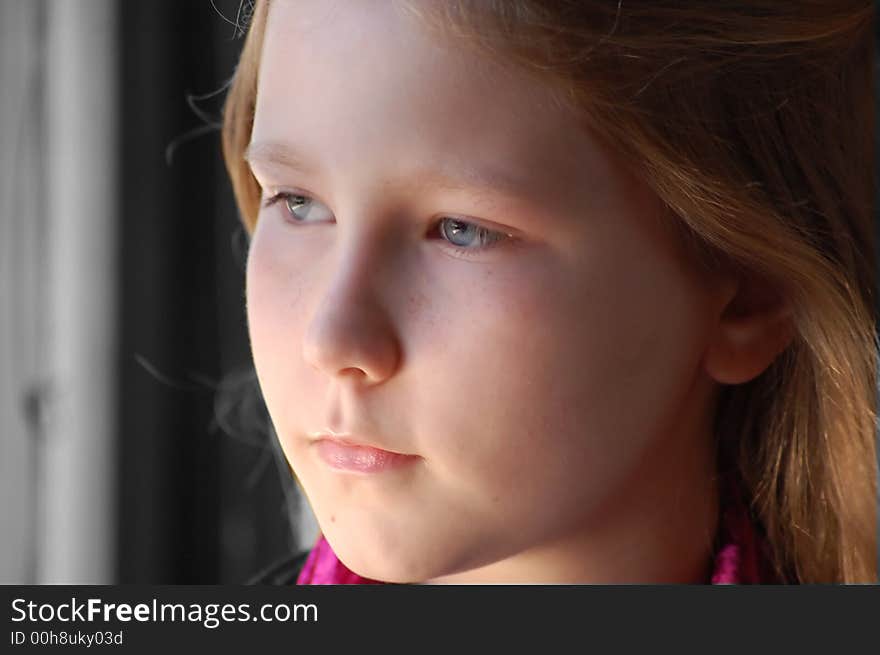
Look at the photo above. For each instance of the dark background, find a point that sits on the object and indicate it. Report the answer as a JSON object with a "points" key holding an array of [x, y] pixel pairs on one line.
{"points": [[201, 498]]}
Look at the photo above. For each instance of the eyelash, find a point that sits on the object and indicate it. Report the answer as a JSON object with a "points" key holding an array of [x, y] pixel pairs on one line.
{"points": [[496, 238]]}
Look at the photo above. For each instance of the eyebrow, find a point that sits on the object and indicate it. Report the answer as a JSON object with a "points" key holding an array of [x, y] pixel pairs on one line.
{"points": [[464, 177]]}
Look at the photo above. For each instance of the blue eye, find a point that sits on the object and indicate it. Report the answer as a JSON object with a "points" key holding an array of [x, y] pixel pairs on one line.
{"points": [[461, 234], [299, 207]]}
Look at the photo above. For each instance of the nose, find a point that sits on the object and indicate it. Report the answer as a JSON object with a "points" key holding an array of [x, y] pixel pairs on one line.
{"points": [[351, 332]]}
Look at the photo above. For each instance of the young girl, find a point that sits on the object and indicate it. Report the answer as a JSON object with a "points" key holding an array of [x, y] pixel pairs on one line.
{"points": [[566, 292]]}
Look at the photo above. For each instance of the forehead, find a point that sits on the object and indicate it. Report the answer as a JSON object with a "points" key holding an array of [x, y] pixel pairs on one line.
{"points": [[353, 37], [357, 81]]}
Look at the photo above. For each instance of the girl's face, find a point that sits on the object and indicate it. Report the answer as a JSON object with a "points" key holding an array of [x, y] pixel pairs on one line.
{"points": [[462, 273]]}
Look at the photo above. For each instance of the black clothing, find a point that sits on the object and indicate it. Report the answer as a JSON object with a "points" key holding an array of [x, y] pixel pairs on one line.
{"points": [[282, 572]]}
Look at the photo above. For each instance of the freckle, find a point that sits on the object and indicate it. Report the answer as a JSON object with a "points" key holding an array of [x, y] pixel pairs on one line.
{"points": [[415, 304], [332, 519]]}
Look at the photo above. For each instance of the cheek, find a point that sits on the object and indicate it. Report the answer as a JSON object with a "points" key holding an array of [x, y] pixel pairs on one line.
{"points": [[491, 373], [558, 377], [274, 292]]}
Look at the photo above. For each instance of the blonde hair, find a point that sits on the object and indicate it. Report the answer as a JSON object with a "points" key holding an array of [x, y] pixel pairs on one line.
{"points": [[753, 122]]}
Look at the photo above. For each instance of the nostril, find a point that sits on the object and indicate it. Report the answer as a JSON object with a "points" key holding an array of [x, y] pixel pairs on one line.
{"points": [[360, 346]]}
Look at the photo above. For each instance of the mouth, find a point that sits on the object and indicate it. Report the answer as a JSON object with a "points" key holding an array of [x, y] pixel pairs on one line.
{"points": [[342, 455]]}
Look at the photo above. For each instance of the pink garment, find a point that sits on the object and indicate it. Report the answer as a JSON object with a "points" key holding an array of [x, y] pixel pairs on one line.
{"points": [[743, 557], [323, 567], [740, 559]]}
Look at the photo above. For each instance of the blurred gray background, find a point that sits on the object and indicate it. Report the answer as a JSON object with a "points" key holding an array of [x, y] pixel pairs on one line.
{"points": [[133, 442]]}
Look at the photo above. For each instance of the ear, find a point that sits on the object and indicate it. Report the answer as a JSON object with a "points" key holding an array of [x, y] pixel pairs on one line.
{"points": [[754, 325]]}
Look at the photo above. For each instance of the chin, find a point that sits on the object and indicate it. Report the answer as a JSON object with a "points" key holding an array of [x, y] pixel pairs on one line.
{"points": [[397, 561], [388, 566]]}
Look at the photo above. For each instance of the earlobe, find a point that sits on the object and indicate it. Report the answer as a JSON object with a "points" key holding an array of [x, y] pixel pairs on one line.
{"points": [[755, 325]]}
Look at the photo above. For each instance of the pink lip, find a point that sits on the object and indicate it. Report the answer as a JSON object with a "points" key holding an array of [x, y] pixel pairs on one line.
{"points": [[359, 459]]}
